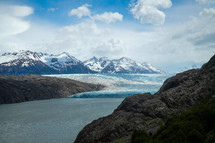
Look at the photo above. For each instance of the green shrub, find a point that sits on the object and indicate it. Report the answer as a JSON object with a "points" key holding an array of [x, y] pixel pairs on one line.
{"points": [[139, 137], [189, 127], [195, 136]]}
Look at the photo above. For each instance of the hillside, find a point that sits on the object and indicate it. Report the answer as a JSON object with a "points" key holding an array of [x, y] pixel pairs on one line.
{"points": [[15, 89], [193, 126], [147, 112], [28, 62]]}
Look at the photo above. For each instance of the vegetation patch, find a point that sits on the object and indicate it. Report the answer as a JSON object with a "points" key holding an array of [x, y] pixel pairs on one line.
{"points": [[194, 126]]}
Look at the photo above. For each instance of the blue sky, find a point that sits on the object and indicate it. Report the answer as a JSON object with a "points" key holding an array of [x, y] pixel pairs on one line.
{"points": [[169, 34], [60, 16]]}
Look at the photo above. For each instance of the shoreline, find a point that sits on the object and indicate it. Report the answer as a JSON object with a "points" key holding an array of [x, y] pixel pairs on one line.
{"points": [[14, 89]]}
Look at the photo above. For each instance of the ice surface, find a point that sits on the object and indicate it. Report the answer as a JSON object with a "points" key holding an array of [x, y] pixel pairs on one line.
{"points": [[119, 85]]}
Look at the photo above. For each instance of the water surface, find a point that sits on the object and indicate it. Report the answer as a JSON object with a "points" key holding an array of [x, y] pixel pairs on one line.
{"points": [[51, 121], [60, 120]]}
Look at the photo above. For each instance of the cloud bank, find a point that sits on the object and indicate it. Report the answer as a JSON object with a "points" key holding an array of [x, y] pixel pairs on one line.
{"points": [[87, 39], [12, 19], [110, 48]]}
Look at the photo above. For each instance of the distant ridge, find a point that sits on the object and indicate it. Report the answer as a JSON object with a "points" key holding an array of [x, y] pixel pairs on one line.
{"points": [[117, 66], [27, 62]]}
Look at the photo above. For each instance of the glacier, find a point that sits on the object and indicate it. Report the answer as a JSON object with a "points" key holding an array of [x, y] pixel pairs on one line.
{"points": [[118, 85]]}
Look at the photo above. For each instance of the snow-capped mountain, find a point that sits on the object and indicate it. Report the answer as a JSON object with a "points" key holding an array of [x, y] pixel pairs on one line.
{"points": [[96, 64], [28, 62], [59, 61], [12, 59], [122, 65]]}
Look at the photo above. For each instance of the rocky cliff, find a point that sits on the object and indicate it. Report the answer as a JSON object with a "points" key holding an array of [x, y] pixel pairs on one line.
{"points": [[146, 112], [15, 89]]}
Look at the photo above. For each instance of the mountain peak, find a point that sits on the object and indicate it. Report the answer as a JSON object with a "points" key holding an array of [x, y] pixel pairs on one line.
{"points": [[122, 65], [28, 62], [103, 58], [65, 53], [94, 59], [65, 63], [124, 58], [96, 64]]}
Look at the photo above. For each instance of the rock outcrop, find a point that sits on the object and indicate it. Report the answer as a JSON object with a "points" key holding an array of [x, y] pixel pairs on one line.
{"points": [[15, 89], [146, 112]]}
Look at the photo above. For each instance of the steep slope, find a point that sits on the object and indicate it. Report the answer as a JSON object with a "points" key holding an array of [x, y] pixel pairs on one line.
{"points": [[65, 64], [28, 62], [23, 62], [193, 126], [25, 66], [96, 64], [117, 66], [146, 112], [15, 89], [59, 61]]}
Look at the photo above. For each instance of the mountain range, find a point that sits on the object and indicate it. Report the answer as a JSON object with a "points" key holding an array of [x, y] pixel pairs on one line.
{"points": [[28, 62]]}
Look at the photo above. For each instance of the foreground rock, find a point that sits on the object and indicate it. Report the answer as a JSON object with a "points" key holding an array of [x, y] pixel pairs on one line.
{"points": [[146, 112], [15, 89]]}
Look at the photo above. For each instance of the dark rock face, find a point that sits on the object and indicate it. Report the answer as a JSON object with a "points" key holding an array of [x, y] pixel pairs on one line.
{"points": [[36, 67], [28, 62], [15, 89], [146, 112], [75, 69]]}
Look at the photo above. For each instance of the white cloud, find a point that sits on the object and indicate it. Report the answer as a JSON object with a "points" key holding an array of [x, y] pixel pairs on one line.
{"points": [[189, 42], [147, 11], [81, 11], [208, 12], [79, 39], [52, 9], [200, 30], [16, 11], [206, 1], [83, 29], [12, 19], [12, 25], [110, 48], [87, 39], [108, 17]]}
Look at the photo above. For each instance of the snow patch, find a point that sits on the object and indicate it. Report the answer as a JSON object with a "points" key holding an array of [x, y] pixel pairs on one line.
{"points": [[121, 65]]}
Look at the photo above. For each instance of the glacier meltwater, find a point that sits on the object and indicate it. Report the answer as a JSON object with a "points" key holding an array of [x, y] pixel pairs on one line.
{"points": [[118, 85]]}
